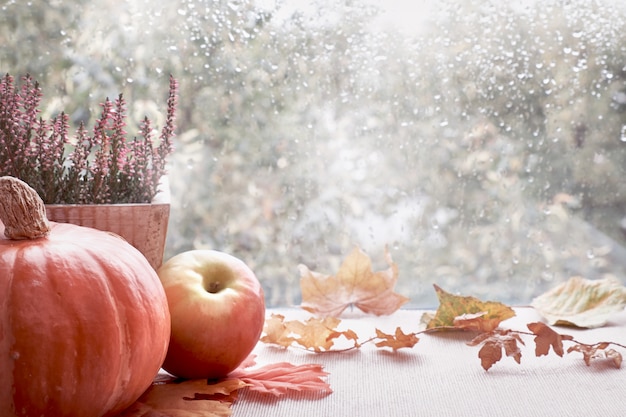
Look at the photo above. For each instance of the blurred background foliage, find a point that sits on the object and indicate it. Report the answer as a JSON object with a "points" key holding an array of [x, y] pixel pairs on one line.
{"points": [[483, 141]]}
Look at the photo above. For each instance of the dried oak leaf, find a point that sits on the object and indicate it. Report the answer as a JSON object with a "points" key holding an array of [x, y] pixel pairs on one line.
{"points": [[315, 333], [355, 284], [598, 350], [467, 313], [186, 399], [397, 340], [545, 337], [279, 378], [494, 343]]}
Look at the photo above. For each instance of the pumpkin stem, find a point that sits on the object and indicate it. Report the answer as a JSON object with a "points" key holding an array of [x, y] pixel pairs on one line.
{"points": [[21, 210]]}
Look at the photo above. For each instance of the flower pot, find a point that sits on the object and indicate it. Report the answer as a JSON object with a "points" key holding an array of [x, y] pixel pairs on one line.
{"points": [[142, 225]]}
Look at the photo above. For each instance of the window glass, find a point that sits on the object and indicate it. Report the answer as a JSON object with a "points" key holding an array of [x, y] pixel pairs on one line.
{"points": [[482, 142]]}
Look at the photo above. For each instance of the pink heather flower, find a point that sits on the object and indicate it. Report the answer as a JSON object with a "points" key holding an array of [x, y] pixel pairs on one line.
{"points": [[102, 167]]}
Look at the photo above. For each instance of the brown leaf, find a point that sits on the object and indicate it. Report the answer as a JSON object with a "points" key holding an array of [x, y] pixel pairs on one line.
{"points": [[355, 284], [489, 354], [493, 344], [396, 341], [468, 313], [546, 337], [280, 378], [598, 350], [186, 399]]}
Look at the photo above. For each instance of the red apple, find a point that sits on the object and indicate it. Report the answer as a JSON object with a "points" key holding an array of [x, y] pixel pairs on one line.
{"points": [[218, 312]]}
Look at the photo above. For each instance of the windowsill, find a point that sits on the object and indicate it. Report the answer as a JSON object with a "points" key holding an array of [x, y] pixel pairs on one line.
{"points": [[442, 376]]}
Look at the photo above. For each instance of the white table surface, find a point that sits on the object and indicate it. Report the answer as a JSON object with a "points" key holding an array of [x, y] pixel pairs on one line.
{"points": [[442, 376]]}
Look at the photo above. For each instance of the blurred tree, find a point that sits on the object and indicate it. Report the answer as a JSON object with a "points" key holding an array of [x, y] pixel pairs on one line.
{"points": [[485, 148]]}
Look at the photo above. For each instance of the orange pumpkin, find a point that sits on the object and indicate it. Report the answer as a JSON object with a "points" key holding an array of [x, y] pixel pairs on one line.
{"points": [[84, 322]]}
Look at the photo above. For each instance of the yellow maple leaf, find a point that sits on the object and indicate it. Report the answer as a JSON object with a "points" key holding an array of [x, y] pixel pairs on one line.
{"points": [[276, 331], [355, 284], [314, 333], [468, 313], [317, 334]]}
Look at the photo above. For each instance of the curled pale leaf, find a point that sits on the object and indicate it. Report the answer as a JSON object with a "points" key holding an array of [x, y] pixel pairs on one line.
{"points": [[355, 284], [468, 313], [581, 302]]}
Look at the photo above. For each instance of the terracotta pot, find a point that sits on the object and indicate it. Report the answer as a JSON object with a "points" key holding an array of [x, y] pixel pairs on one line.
{"points": [[142, 225]]}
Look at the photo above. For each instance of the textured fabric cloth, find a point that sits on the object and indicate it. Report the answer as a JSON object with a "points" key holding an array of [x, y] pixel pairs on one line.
{"points": [[442, 376]]}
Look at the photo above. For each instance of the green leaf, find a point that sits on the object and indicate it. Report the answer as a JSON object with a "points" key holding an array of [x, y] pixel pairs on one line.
{"points": [[454, 312]]}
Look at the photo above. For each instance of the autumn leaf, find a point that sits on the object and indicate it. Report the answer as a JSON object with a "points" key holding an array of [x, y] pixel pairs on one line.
{"points": [[276, 331], [279, 378], [545, 338], [397, 340], [476, 322], [615, 356], [186, 399], [347, 334], [355, 284], [468, 313], [317, 334], [582, 302], [494, 342], [599, 350]]}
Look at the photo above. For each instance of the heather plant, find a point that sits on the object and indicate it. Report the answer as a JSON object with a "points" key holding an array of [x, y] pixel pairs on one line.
{"points": [[97, 167]]}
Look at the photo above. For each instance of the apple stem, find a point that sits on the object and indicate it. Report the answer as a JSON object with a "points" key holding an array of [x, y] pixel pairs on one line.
{"points": [[214, 287]]}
